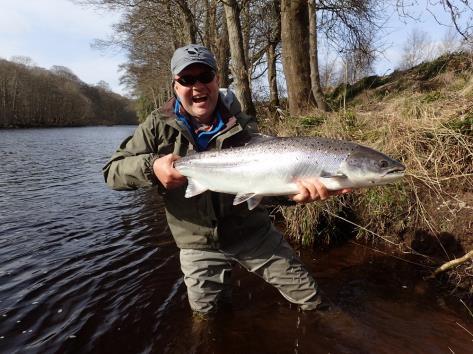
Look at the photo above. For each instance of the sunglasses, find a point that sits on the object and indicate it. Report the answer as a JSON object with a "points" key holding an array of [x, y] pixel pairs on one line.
{"points": [[189, 80]]}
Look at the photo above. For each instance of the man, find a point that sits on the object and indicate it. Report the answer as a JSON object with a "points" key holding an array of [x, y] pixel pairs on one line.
{"points": [[210, 231]]}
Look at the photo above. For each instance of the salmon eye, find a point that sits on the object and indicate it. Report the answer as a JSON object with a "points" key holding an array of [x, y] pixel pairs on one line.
{"points": [[383, 164]]}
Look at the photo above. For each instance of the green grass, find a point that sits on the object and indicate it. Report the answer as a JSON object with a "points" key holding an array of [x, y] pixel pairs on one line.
{"points": [[431, 97], [312, 120], [463, 125]]}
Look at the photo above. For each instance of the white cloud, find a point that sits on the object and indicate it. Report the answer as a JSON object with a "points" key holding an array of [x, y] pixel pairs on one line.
{"points": [[54, 15]]}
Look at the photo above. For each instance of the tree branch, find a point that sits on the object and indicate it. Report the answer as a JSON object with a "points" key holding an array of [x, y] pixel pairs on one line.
{"points": [[453, 263]]}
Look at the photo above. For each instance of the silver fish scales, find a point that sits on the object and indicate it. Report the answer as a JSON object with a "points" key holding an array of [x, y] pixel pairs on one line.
{"points": [[271, 166]]}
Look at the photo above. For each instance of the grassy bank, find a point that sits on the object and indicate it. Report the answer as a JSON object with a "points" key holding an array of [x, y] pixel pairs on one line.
{"points": [[423, 117]]}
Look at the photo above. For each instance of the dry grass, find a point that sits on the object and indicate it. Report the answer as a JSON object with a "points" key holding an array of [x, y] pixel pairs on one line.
{"points": [[427, 124]]}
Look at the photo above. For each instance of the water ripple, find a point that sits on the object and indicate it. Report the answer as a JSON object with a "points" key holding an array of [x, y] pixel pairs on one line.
{"points": [[87, 270], [76, 259]]}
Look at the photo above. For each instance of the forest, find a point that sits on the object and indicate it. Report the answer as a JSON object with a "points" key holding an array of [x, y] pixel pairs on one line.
{"points": [[31, 96], [275, 51], [267, 50]]}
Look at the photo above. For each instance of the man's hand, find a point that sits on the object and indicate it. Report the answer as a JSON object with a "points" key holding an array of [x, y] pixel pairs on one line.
{"points": [[164, 170], [312, 189]]}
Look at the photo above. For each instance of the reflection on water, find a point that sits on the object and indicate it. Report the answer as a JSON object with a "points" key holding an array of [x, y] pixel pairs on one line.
{"points": [[80, 265], [84, 269]]}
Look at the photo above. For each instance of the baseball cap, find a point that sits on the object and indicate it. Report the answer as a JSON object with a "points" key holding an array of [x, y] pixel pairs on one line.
{"points": [[191, 54]]}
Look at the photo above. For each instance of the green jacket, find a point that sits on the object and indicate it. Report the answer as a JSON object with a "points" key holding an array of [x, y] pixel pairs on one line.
{"points": [[206, 221]]}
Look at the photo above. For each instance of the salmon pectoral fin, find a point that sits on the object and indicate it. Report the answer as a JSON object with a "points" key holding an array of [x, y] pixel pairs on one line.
{"points": [[254, 202], [194, 188], [326, 174], [252, 199]]}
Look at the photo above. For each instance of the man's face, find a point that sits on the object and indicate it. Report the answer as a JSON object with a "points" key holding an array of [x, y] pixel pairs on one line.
{"points": [[198, 99]]}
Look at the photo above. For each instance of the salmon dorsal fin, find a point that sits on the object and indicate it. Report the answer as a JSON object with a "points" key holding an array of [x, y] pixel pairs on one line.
{"points": [[194, 188], [259, 138]]}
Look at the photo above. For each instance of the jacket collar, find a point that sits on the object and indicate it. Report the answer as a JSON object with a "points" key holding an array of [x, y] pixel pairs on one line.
{"points": [[170, 118]]}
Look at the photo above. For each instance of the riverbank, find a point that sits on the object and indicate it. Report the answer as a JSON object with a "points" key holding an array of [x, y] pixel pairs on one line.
{"points": [[423, 117], [36, 97]]}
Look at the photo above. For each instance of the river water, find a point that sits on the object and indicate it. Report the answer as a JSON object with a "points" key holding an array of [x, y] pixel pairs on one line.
{"points": [[84, 269]]}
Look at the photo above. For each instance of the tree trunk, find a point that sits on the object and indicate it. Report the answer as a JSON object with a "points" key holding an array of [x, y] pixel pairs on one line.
{"points": [[238, 67], [223, 56], [217, 42], [245, 21], [176, 38], [314, 58], [190, 27], [274, 39], [272, 79], [14, 95], [209, 23], [296, 64]]}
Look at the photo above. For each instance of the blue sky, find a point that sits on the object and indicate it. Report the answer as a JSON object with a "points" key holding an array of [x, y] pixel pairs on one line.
{"points": [[59, 32], [397, 31]]}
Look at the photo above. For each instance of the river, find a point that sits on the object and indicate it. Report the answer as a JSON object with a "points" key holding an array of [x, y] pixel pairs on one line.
{"points": [[84, 269]]}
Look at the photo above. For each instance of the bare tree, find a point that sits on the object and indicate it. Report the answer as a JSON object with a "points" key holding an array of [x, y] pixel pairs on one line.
{"points": [[216, 38], [348, 26], [314, 58], [417, 48], [238, 61], [64, 72], [104, 85], [358, 64], [273, 40], [33, 96], [295, 41], [149, 31], [351, 27], [450, 42], [265, 48], [23, 60], [248, 32], [328, 71], [189, 21]]}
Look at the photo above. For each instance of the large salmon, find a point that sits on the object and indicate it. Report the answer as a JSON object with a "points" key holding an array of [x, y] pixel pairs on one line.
{"points": [[270, 167]]}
